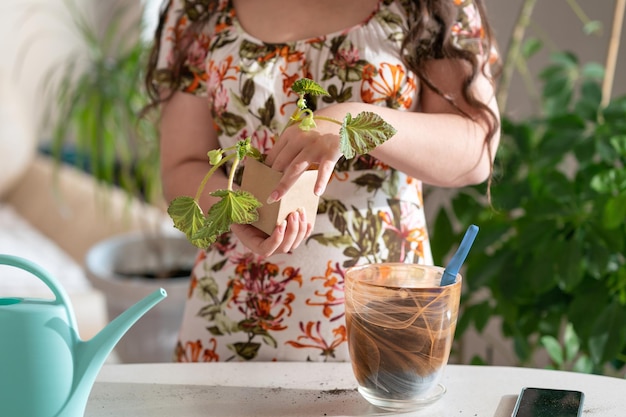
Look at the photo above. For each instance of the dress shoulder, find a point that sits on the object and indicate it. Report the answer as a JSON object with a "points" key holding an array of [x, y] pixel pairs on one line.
{"points": [[187, 29]]}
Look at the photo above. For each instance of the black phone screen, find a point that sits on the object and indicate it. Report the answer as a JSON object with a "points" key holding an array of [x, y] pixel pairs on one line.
{"points": [[544, 402]]}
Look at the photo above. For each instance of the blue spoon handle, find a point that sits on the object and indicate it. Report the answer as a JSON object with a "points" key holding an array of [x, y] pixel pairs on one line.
{"points": [[449, 274]]}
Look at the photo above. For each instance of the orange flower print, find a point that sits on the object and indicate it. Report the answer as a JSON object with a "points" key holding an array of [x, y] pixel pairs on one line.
{"points": [[313, 339], [287, 53], [195, 352], [333, 284], [260, 294], [389, 85]]}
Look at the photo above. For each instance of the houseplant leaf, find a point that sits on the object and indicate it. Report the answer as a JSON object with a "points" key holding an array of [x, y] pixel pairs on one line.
{"points": [[234, 207], [188, 218], [308, 86], [361, 134]]}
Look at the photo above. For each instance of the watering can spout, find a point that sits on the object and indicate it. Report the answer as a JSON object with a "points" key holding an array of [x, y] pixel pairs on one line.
{"points": [[90, 355]]}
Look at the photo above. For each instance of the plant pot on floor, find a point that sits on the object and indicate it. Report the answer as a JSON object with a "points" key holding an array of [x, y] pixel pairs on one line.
{"points": [[260, 180], [117, 267]]}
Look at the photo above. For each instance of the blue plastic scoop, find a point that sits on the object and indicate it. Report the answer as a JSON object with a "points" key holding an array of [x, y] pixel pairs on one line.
{"points": [[449, 274]]}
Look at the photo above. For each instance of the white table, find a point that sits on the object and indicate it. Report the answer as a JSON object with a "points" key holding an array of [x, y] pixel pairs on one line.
{"points": [[322, 389]]}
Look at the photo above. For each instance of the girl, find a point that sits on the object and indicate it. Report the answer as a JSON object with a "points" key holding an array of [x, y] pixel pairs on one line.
{"points": [[222, 71]]}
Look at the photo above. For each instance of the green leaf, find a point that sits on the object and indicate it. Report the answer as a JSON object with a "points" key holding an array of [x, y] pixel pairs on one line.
{"points": [[308, 86], [441, 246], [614, 211], [583, 365], [230, 123], [607, 338], [566, 59], [522, 347], [234, 207], [572, 343], [226, 325], [593, 70], [553, 347], [478, 361], [188, 218], [619, 144], [371, 182], [593, 27], [336, 240], [609, 181], [567, 260], [482, 315], [245, 350], [215, 331], [269, 340], [208, 288], [531, 46], [363, 133]]}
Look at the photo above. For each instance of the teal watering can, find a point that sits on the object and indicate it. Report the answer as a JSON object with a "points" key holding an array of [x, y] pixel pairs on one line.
{"points": [[46, 370]]}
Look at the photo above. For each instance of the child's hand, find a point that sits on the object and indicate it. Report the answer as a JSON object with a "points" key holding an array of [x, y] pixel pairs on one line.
{"points": [[296, 151], [285, 238]]}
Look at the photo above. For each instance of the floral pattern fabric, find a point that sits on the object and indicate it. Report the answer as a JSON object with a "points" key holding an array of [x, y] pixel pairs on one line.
{"points": [[290, 307]]}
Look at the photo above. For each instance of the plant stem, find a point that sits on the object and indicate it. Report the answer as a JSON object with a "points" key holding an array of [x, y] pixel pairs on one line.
{"points": [[231, 174], [513, 52], [611, 58], [210, 172], [578, 11], [297, 117], [328, 119]]}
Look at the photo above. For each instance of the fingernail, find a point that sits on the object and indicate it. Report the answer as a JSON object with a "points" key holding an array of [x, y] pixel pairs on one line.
{"points": [[272, 198], [301, 213]]}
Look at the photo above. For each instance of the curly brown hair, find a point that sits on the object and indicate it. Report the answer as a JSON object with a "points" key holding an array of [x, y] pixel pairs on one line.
{"points": [[429, 36]]}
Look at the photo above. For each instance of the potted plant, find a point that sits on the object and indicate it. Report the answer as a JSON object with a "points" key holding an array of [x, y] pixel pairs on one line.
{"points": [[97, 96], [358, 135], [550, 264]]}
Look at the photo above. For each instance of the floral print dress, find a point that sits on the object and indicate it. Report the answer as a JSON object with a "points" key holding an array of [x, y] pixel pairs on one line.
{"points": [[290, 307]]}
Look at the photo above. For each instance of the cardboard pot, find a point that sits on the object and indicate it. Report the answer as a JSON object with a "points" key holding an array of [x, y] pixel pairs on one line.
{"points": [[259, 180]]}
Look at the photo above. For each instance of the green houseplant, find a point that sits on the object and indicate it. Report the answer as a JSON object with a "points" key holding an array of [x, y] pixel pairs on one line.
{"points": [[96, 98], [97, 95], [550, 257], [358, 135]]}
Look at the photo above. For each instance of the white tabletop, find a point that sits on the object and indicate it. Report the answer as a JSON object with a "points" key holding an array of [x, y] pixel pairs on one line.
{"points": [[322, 389]]}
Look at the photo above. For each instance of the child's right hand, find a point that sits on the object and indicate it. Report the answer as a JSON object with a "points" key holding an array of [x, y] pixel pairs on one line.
{"points": [[285, 238]]}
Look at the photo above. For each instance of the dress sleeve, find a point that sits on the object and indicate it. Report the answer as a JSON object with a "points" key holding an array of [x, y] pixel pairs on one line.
{"points": [[468, 32], [183, 50]]}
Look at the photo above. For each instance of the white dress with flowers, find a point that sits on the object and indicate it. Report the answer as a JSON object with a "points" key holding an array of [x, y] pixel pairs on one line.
{"points": [[290, 307]]}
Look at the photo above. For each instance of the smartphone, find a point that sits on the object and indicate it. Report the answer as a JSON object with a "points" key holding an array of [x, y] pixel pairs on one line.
{"points": [[547, 402]]}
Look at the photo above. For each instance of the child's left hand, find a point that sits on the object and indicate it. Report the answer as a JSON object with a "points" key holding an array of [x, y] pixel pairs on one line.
{"points": [[296, 151]]}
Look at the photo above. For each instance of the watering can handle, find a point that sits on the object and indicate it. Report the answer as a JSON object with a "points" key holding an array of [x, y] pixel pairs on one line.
{"points": [[59, 293]]}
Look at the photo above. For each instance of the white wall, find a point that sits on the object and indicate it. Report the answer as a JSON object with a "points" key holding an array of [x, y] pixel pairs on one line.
{"points": [[37, 35], [34, 36]]}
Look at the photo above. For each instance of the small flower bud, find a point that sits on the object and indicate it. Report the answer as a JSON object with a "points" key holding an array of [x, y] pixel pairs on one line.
{"points": [[307, 124], [215, 156]]}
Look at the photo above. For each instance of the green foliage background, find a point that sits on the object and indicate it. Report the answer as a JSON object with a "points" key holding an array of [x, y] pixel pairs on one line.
{"points": [[550, 252]]}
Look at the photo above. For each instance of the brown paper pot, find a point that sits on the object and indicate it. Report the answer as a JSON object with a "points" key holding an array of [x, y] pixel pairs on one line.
{"points": [[260, 180]]}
